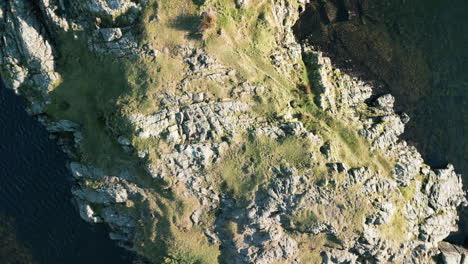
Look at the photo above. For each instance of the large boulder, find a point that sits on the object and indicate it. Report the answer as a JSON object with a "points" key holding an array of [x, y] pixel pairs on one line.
{"points": [[445, 189], [452, 254]]}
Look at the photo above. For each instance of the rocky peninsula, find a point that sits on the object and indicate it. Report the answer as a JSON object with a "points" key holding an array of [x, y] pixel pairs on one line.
{"points": [[204, 132]]}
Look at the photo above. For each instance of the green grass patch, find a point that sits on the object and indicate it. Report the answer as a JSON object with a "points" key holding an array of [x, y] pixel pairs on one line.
{"points": [[168, 23], [88, 92], [310, 247], [165, 233], [409, 191], [243, 168], [320, 173], [303, 220], [246, 42], [352, 149], [396, 229], [98, 91]]}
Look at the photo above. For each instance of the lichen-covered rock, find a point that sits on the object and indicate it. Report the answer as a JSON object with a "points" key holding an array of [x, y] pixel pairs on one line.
{"points": [[198, 122], [336, 256], [104, 11], [384, 215], [408, 165], [357, 176], [103, 195], [426, 220], [263, 238], [27, 57], [444, 189], [115, 42], [374, 202], [385, 103], [63, 126]]}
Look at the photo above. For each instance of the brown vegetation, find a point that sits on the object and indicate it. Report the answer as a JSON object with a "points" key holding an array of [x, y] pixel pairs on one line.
{"points": [[207, 21], [305, 88]]}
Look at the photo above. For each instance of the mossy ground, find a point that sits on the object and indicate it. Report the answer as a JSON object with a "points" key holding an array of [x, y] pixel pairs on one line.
{"points": [[396, 231], [87, 92]]}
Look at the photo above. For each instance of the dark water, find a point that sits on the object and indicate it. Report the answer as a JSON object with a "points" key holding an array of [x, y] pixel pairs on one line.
{"points": [[416, 50], [439, 30], [38, 223], [436, 33]]}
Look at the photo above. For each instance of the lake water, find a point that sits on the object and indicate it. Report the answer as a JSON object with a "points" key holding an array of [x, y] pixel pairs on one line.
{"points": [[38, 223]]}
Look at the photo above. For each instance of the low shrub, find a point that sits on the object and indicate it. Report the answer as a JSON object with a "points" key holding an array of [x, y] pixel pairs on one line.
{"points": [[207, 21]]}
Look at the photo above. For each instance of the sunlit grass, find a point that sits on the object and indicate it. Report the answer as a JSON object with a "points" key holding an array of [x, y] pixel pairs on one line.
{"points": [[245, 167]]}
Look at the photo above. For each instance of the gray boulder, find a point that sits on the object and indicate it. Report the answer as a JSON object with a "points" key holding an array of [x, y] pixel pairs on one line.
{"points": [[438, 226], [63, 126], [445, 189], [337, 256], [383, 215], [87, 213], [83, 171], [242, 3], [105, 195], [408, 165], [357, 176], [452, 254], [385, 103], [110, 34]]}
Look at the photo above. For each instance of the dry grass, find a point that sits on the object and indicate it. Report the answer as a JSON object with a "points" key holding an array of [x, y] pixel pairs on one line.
{"points": [[396, 231], [168, 23], [311, 246], [303, 220]]}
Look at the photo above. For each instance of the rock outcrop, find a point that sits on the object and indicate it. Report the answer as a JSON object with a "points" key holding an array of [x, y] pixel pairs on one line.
{"points": [[340, 185], [453, 254]]}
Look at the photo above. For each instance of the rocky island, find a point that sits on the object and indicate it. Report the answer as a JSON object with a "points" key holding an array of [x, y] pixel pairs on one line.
{"points": [[206, 132]]}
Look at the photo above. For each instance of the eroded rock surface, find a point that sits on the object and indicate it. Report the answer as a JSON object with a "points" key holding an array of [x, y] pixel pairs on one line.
{"points": [[356, 194]]}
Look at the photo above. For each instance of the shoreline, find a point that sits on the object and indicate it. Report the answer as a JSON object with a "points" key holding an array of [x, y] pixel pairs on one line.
{"points": [[112, 199], [326, 34], [36, 195]]}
